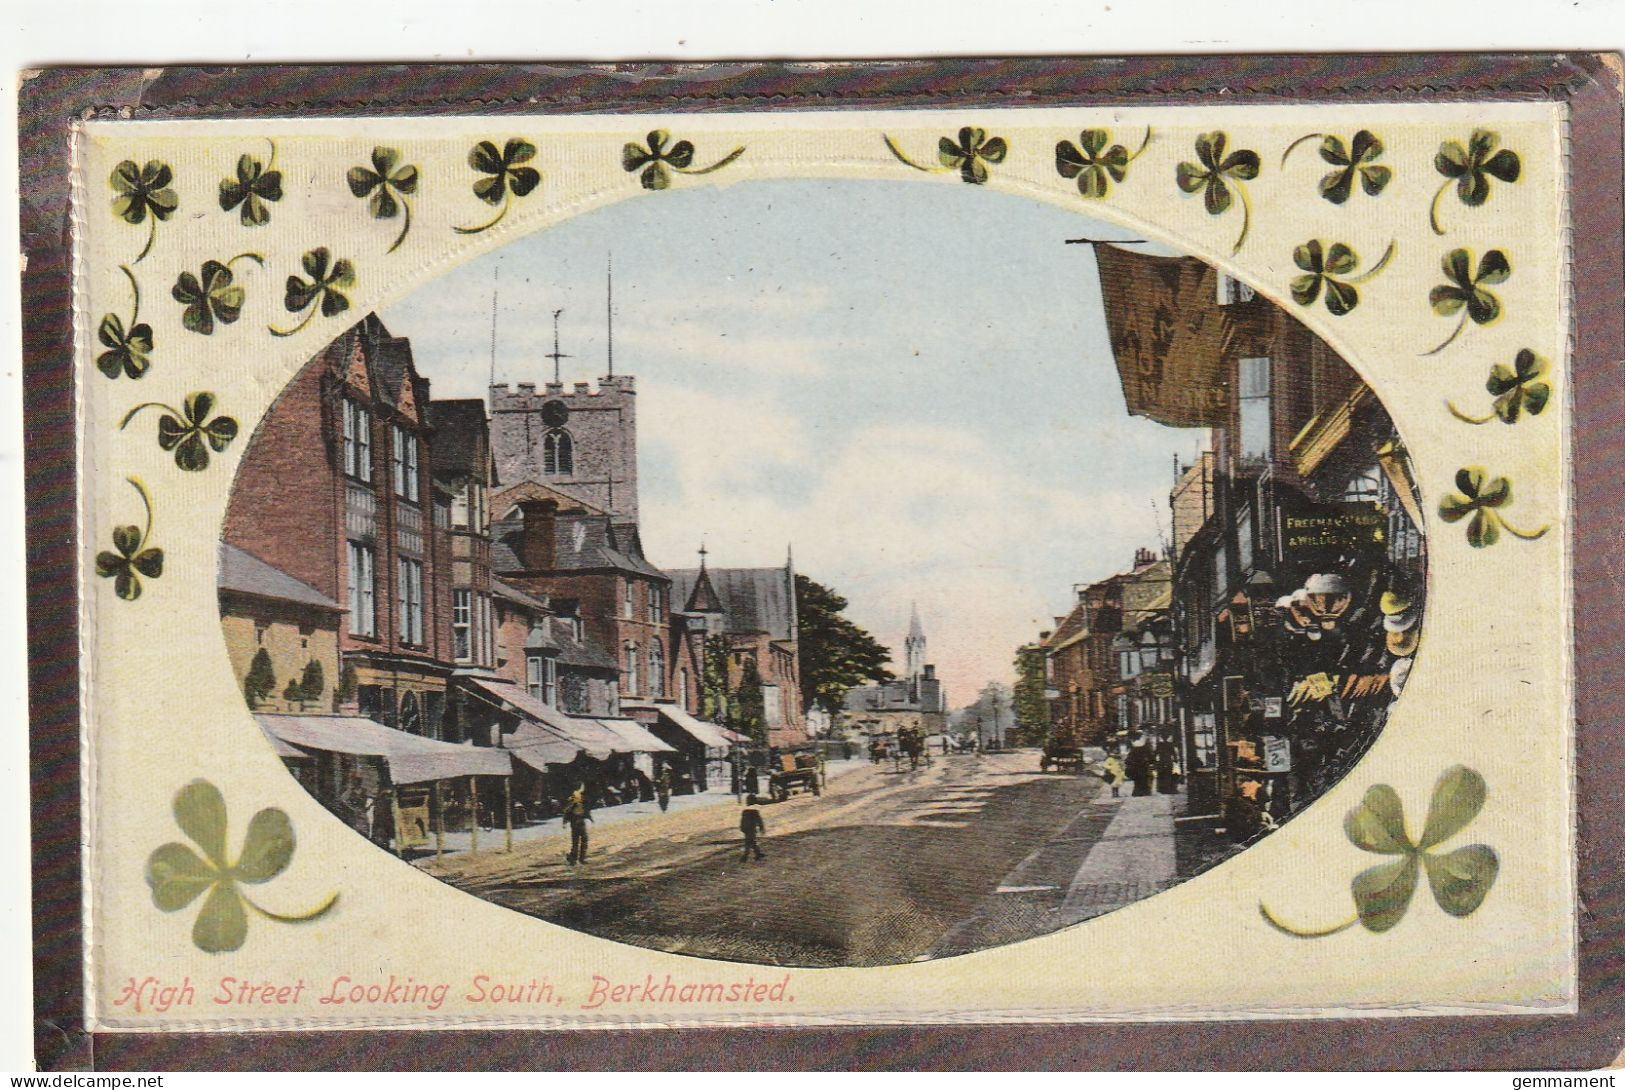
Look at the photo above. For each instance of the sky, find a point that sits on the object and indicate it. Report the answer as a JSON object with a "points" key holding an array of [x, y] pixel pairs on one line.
{"points": [[910, 385]]}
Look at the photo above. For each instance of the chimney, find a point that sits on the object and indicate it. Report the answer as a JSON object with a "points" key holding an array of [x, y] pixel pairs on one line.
{"points": [[1142, 557], [930, 673], [537, 541]]}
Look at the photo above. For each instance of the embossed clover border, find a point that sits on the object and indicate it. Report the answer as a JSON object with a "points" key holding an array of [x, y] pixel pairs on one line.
{"points": [[1590, 85]]}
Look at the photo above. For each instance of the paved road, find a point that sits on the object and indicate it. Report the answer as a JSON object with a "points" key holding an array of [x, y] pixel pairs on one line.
{"points": [[886, 867]]}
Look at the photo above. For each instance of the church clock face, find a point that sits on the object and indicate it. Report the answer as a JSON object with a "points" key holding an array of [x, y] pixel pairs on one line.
{"points": [[555, 413]]}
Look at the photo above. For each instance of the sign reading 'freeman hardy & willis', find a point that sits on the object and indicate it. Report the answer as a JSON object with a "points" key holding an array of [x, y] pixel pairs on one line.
{"points": [[1355, 526]]}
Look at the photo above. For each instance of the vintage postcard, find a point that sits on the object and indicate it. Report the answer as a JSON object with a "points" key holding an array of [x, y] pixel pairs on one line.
{"points": [[916, 562]]}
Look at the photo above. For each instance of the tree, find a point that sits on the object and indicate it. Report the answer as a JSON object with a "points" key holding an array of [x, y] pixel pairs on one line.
{"points": [[836, 655], [1030, 703], [348, 683], [312, 682], [261, 680], [293, 694], [748, 714], [714, 680]]}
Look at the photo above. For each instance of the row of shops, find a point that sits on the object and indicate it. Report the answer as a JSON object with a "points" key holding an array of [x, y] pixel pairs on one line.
{"points": [[1266, 643]]}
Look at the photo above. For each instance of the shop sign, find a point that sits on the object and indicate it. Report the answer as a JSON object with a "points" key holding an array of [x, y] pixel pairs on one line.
{"points": [[1352, 526], [1158, 684], [1272, 707], [1277, 754]]}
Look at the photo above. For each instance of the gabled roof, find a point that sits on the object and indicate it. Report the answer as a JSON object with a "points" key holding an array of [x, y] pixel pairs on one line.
{"points": [[582, 542], [242, 572], [752, 599]]}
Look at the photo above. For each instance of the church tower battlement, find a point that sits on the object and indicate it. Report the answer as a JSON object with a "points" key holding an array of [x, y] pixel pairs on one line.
{"points": [[582, 441]]}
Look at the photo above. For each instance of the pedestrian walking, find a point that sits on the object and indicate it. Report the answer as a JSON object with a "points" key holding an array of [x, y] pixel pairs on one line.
{"points": [[576, 815], [1112, 773], [751, 826], [663, 788], [1140, 765]]}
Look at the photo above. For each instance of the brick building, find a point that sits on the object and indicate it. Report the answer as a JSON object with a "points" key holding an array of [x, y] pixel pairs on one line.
{"points": [[335, 491]]}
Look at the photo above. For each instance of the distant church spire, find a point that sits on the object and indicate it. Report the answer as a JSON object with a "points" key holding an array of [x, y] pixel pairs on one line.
{"points": [[914, 645]]}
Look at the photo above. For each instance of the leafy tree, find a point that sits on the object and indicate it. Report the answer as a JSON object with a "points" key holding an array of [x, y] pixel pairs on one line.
{"points": [[836, 655], [261, 680], [293, 694], [714, 680], [1031, 706], [748, 714], [312, 682]]}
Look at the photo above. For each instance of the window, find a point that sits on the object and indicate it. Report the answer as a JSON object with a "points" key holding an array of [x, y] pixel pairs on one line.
{"points": [[654, 604], [1204, 738], [631, 669], [682, 687], [657, 669], [626, 601], [1231, 291], [411, 601], [558, 454], [542, 678], [357, 441], [406, 464], [1255, 411], [1244, 539], [363, 615], [462, 624]]}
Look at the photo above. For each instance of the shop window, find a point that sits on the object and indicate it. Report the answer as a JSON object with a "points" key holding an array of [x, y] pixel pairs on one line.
{"points": [[434, 711], [411, 714]]}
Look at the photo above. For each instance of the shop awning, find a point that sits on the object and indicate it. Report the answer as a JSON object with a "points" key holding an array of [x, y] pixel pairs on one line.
{"points": [[411, 758], [589, 735], [539, 747], [633, 738], [707, 734]]}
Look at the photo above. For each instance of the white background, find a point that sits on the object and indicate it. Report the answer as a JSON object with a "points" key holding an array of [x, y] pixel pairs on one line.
{"points": [[38, 33]]}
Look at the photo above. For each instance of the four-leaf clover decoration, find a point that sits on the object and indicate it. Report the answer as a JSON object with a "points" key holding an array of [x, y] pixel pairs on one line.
{"points": [[144, 195], [1478, 498], [254, 184], [1093, 164], [1357, 159], [1466, 294], [969, 154], [1471, 169], [1214, 173], [133, 558], [505, 176], [186, 430], [178, 876], [211, 296], [327, 278], [127, 348], [1459, 879], [386, 189], [1328, 268], [1517, 389], [654, 158]]}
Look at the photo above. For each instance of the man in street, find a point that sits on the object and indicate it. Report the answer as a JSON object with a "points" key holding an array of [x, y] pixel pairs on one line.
{"points": [[576, 815], [751, 826], [663, 788]]}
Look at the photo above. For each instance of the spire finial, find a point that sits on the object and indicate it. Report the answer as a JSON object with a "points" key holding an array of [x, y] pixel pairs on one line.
{"points": [[703, 553]]}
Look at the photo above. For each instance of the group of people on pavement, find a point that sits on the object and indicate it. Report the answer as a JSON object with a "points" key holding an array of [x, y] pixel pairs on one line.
{"points": [[1144, 763], [577, 812]]}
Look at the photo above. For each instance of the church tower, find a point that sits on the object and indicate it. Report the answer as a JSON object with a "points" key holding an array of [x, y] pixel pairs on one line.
{"points": [[914, 646], [582, 442]]}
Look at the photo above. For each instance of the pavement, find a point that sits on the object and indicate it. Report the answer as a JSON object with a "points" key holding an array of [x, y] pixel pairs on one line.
{"points": [[887, 866]]}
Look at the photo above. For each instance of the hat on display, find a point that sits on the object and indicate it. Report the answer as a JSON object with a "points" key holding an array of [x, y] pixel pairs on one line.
{"points": [[1401, 644]]}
